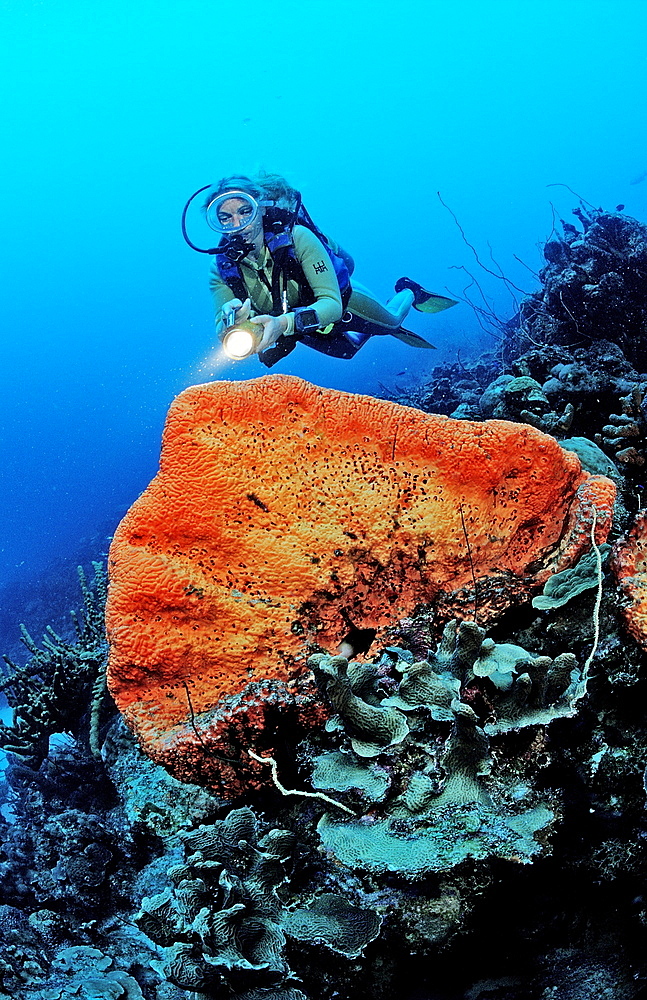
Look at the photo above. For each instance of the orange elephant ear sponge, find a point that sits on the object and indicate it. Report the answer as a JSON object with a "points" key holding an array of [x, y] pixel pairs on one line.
{"points": [[281, 513], [629, 562]]}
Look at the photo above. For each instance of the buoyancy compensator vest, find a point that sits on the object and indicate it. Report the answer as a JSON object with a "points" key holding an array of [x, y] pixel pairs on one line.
{"points": [[278, 224]]}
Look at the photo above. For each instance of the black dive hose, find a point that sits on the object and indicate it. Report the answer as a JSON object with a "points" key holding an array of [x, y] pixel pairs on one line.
{"points": [[235, 247], [212, 250]]}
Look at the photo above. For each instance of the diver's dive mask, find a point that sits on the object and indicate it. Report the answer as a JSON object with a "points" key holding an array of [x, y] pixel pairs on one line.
{"points": [[232, 212], [231, 221]]}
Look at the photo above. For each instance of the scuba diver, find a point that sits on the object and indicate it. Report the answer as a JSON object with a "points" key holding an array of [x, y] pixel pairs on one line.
{"points": [[277, 280]]}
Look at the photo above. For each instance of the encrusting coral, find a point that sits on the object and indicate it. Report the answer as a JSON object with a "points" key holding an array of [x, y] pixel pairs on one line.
{"points": [[282, 512]]}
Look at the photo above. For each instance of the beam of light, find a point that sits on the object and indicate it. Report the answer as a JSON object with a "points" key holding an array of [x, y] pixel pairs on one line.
{"points": [[212, 364]]}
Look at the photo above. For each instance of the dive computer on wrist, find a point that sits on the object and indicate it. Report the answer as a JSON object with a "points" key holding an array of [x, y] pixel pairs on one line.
{"points": [[306, 320]]}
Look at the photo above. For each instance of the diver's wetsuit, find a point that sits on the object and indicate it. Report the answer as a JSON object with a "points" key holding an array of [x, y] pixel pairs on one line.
{"points": [[364, 317]]}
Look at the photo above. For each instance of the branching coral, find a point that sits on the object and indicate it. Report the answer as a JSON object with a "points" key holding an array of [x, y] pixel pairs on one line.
{"points": [[50, 693]]}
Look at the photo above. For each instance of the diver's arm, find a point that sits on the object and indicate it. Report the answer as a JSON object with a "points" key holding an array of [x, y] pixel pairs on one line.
{"points": [[224, 296], [221, 292], [320, 275]]}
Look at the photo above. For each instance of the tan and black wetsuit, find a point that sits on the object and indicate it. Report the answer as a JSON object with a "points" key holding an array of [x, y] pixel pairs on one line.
{"points": [[365, 315]]}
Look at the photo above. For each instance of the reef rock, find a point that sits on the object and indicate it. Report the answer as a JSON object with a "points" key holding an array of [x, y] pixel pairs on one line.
{"points": [[285, 515], [593, 285]]}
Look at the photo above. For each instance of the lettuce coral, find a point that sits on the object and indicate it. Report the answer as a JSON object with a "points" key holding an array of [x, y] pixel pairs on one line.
{"points": [[449, 798], [223, 924], [563, 587]]}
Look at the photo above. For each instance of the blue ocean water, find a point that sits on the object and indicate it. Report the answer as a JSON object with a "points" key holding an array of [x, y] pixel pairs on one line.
{"points": [[114, 113]]}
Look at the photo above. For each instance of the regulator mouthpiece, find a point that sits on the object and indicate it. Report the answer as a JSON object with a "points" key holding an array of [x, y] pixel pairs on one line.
{"points": [[242, 340]]}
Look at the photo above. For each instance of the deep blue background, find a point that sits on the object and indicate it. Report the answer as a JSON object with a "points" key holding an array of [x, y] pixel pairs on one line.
{"points": [[113, 113]]}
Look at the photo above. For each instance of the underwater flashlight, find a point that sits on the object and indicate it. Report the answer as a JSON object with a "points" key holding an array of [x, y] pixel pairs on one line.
{"points": [[242, 340]]}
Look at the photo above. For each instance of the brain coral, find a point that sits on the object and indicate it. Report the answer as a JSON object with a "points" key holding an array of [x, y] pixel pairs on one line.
{"points": [[283, 511]]}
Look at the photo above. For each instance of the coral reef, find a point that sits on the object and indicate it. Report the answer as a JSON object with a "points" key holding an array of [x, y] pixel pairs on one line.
{"points": [[573, 358], [583, 392], [478, 826], [463, 790], [68, 865], [602, 390], [592, 286], [331, 510]]}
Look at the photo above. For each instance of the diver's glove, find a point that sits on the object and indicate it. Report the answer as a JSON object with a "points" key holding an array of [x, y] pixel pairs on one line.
{"points": [[233, 311], [273, 328], [304, 320]]}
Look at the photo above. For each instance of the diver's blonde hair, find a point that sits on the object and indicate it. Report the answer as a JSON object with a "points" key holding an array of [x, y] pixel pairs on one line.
{"points": [[262, 186]]}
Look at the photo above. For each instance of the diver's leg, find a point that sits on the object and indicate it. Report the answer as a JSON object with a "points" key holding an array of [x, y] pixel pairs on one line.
{"points": [[340, 344], [363, 303]]}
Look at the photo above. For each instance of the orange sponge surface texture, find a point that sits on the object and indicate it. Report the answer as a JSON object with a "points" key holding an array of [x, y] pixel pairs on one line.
{"points": [[283, 511], [630, 566]]}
